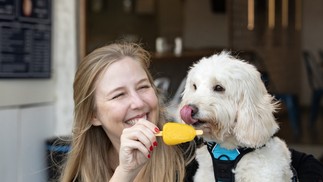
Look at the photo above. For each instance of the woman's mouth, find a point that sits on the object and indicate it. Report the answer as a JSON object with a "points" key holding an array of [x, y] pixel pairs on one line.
{"points": [[134, 120]]}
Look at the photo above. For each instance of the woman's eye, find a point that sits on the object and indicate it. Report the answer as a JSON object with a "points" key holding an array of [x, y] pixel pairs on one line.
{"points": [[117, 96], [144, 86]]}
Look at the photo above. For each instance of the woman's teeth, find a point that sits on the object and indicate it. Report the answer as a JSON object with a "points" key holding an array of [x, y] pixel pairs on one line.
{"points": [[134, 121], [131, 122]]}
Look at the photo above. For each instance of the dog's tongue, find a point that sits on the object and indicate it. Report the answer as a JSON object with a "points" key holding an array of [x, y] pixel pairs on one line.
{"points": [[186, 115]]}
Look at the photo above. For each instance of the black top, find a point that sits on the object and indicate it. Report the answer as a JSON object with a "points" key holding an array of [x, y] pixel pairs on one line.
{"points": [[307, 167]]}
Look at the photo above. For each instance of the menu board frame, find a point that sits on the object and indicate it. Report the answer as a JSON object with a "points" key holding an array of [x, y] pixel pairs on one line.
{"points": [[25, 38]]}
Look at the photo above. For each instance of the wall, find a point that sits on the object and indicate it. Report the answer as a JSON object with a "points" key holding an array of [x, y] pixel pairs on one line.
{"points": [[22, 139], [65, 60], [22, 92], [112, 22], [188, 19], [203, 28], [32, 111]]}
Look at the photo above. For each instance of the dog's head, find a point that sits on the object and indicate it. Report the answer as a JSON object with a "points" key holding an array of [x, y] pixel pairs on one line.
{"points": [[226, 98]]}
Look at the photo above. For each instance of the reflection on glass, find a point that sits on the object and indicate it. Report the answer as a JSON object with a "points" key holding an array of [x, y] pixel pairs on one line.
{"points": [[271, 14], [251, 14], [285, 13]]}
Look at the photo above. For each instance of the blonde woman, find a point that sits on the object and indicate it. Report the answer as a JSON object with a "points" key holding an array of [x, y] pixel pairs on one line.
{"points": [[117, 113]]}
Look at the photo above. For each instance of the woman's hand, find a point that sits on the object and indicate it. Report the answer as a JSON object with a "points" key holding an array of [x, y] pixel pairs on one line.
{"points": [[137, 144]]}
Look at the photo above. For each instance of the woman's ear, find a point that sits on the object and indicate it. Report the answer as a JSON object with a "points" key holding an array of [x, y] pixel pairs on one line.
{"points": [[95, 121]]}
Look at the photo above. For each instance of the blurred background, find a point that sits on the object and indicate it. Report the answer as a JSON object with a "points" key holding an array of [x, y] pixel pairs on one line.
{"points": [[42, 41]]}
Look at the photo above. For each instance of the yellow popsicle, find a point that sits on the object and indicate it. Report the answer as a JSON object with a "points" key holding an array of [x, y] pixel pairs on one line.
{"points": [[176, 133]]}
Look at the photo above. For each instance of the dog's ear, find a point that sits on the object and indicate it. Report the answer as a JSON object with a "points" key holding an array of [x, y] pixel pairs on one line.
{"points": [[255, 121]]}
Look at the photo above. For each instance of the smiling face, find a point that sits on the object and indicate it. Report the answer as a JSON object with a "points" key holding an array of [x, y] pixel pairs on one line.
{"points": [[123, 95]]}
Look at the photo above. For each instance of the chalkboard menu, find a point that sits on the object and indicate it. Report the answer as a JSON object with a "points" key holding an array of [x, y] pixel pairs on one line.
{"points": [[25, 38]]}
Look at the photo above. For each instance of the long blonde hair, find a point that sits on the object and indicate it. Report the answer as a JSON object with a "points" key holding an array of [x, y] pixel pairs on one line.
{"points": [[88, 159]]}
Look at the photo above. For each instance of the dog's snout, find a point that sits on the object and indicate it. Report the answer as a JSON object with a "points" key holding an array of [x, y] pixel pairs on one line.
{"points": [[194, 109], [187, 113]]}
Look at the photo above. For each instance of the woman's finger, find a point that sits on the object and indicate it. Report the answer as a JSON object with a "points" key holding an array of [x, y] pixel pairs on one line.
{"points": [[149, 125], [141, 134], [137, 149]]}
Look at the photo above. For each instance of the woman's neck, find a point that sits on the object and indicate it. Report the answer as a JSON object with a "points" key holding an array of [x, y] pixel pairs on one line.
{"points": [[113, 158]]}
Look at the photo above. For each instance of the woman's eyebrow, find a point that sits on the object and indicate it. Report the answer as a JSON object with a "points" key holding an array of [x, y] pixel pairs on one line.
{"points": [[143, 80]]}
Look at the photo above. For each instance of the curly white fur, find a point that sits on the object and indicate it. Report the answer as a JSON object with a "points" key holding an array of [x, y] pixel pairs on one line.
{"points": [[235, 110]]}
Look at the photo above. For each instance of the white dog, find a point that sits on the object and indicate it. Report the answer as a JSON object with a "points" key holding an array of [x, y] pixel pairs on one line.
{"points": [[226, 98]]}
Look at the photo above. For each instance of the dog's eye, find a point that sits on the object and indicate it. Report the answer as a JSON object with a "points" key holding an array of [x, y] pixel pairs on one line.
{"points": [[218, 88], [194, 86]]}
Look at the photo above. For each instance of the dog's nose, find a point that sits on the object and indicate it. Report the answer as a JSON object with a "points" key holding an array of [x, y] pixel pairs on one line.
{"points": [[187, 113], [194, 109]]}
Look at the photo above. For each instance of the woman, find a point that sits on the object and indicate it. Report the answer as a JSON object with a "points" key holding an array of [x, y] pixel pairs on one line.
{"points": [[117, 112]]}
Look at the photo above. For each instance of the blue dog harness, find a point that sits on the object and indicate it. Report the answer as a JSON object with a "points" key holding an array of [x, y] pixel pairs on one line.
{"points": [[224, 161]]}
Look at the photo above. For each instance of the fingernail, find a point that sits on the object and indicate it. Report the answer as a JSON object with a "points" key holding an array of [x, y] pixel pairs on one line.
{"points": [[148, 156], [156, 130], [155, 143], [151, 148]]}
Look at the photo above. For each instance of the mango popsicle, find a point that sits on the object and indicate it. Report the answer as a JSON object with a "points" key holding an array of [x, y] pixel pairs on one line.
{"points": [[176, 133]]}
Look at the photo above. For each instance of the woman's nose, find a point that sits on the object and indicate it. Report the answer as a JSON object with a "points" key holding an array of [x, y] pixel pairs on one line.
{"points": [[136, 101]]}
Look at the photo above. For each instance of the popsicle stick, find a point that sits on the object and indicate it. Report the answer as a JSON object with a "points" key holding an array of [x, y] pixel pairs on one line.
{"points": [[198, 132]]}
